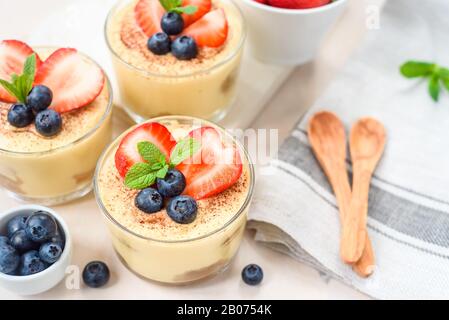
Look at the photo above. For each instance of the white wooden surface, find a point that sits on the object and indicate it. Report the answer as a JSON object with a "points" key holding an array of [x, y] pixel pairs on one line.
{"points": [[261, 105]]}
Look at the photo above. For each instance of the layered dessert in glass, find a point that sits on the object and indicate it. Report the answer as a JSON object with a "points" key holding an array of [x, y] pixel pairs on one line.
{"points": [[52, 136], [175, 216], [176, 64]]}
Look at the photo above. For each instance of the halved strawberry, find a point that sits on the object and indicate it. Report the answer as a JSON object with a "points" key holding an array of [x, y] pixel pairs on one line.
{"points": [[203, 6], [148, 15], [214, 168], [209, 31], [13, 54], [154, 132], [74, 80]]}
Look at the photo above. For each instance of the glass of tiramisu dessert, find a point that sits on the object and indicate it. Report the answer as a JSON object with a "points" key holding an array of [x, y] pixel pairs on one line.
{"points": [[55, 107], [175, 192], [176, 57]]}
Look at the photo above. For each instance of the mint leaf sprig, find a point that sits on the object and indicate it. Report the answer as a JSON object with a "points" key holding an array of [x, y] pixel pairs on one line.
{"points": [[143, 174], [21, 85], [176, 6], [437, 75]]}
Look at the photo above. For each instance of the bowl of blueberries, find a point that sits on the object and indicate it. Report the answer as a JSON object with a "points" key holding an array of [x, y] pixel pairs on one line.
{"points": [[35, 249]]}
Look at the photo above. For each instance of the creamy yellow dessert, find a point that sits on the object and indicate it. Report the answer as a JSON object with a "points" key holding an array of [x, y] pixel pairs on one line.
{"points": [[59, 168], [159, 248], [154, 85]]}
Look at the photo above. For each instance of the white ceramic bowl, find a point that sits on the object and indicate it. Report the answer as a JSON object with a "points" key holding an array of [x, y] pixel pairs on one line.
{"points": [[287, 36], [47, 279]]}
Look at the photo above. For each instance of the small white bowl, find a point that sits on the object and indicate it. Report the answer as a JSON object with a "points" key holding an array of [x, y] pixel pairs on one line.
{"points": [[287, 36], [50, 277]]}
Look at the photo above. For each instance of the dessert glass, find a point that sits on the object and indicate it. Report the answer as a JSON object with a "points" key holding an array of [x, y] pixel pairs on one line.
{"points": [[61, 174], [178, 261], [207, 93]]}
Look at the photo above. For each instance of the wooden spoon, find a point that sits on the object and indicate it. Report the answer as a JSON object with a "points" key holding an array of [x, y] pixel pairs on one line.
{"points": [[367, 143], [328, 139]]}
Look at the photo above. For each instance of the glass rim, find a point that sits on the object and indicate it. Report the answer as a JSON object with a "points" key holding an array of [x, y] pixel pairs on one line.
{"points": [[172, 76], [84, 136], [242, 209]]}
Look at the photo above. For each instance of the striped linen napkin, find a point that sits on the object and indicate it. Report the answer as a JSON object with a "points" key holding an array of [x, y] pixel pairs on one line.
{"points": [[409, 199]]}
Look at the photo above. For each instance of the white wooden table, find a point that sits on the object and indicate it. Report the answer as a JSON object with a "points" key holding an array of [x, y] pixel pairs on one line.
{"points": [[284, 278]]}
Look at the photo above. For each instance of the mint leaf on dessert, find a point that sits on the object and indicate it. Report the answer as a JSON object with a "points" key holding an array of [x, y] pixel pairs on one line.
{"points": [[140, 176], [162, 172], [21, 85], [150, 152], [434, 87], [184, 149], [414, 69], [187, 9], [176, 6]]}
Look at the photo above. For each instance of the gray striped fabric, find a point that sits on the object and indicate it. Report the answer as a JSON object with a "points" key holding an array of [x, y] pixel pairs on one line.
{"points": [[409, 198]]}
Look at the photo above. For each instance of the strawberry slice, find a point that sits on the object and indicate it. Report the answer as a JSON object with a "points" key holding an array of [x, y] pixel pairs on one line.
{"points": [[148, 15], [209, 31], [203, 6], [127, 153], [74, 80], [13, 54], [214, 168]]}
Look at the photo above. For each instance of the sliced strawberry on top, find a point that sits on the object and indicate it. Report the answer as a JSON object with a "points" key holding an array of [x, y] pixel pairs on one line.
{"points": [[203, 7], [127, 153], [13, 54], [214, 168], [148, 15], [74, 79], [209, 31]]}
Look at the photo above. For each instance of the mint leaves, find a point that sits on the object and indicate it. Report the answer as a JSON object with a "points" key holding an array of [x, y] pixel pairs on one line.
{"points": [[143, 174], [176, 6], [21, 85], [438, 76]]}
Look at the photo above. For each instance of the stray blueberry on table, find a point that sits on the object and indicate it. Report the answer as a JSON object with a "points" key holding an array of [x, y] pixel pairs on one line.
{"points": [[173, 184], [40, 227], [39, 98], [48, 123], [182, 209], [159, 43], [20, 115], [252, 274], [96, 274], [184, 48], [149, 200]]}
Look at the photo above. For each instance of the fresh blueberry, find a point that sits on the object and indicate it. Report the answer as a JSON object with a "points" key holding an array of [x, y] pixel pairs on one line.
{"points": [[50, 252], [96, 274], [184, 48], [48, 122], [20, 115], [172, 23], [16, 223], [159, 43], [31, 263], [182, 209], [58, 239], [39, 98], [252, 274], [9, 258], [40, 227], [21, 243], [149, 200], [4, 240], [172, 185]]}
